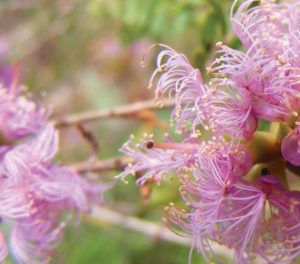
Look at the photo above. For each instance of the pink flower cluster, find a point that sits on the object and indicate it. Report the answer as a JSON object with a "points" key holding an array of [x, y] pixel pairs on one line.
{"points": [[37, 196], [217, 121]]}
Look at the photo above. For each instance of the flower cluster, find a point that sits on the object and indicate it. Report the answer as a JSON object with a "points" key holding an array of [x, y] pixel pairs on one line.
{"points": [[217, 123], [37, 196]]}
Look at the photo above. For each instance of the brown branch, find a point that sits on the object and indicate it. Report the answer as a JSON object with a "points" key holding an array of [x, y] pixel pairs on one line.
{"points": [[119, 111], [118, 163], [89, 137], [153, 230], [156, 231]]}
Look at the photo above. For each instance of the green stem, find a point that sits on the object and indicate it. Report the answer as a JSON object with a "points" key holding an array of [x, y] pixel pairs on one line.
{"points": [[275, 167], [263, 147], [266, 145]]}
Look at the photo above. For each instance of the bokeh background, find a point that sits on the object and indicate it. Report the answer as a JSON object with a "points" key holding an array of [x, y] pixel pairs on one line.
{"points": [[80, 55]]}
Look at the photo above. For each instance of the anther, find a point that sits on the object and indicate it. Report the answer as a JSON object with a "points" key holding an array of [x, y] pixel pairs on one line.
{"points": [[149, 145]]}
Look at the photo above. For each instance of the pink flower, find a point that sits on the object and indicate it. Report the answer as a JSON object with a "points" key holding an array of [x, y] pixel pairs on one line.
{"points": [[156, 160], [229, 214], [19, 115], [36, 195], [253, 217], [3, 248], [34, 239], [31, 164], [290, 147], [271, 86], [222, 109], [179, 80], [280, 236], [264, 24], [239, 217], [269, 68]]}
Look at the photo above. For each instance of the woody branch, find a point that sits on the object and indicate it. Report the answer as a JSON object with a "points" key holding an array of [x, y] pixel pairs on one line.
{"points": [[119, 111]]}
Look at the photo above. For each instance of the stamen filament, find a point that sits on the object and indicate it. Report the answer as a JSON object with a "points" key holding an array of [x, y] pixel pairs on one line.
{"points": [[172, 145]]}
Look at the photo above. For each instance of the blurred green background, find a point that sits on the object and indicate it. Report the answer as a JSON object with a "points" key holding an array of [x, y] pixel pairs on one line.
{"points": [[85, 54]]}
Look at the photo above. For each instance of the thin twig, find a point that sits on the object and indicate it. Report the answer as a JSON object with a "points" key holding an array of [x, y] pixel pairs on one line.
{"points": [[119, 111], [118, 163], [89, 137], [156, 231]]}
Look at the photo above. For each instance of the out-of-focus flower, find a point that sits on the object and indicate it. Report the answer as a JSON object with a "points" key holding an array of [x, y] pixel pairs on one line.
{"points": [[31, 164], [37, 196], [20, 116]]}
